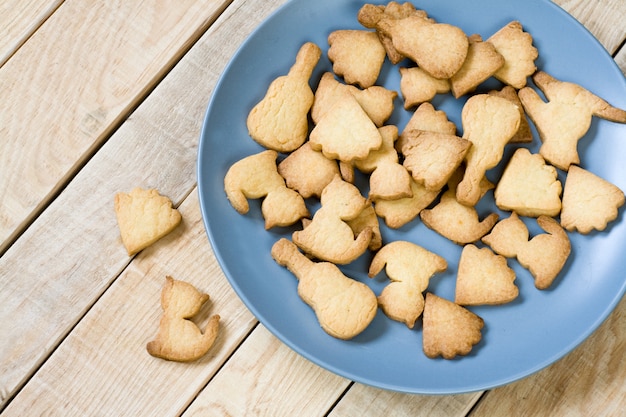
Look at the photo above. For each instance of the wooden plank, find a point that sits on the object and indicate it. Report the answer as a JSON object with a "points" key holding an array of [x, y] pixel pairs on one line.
{"points": [[589, 381], [103, 368], [73, 82], [20, 19], [364, 401], [74, 248], [603, 18], [620, 58], [265, 377]]}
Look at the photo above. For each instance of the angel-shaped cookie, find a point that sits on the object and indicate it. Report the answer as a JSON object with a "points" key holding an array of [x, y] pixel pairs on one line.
{"points": [[565, 118]]}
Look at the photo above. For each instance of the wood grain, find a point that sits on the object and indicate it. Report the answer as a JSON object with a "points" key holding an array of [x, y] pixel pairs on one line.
{"points": [[69, 86], [20, 19]]}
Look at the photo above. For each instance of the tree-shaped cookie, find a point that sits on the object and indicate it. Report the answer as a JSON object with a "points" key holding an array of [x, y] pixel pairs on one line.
{"points": [[529, 186], [256, 176], [144, 216], [484, 278], [344, 307], [409, 267], [589, 202], [489, 122], [357, 56], [565, 118], [482, 61], [178, 338], [449, 329], [544, 255], [345, 132], [328, 237], [516, 46], [280, 120]]}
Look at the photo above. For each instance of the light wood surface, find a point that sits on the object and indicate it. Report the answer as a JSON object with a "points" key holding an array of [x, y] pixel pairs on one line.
{"points": [[102, 97]]}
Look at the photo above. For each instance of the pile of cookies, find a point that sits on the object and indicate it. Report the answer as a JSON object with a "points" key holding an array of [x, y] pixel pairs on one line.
{"points": [[317, 141]]}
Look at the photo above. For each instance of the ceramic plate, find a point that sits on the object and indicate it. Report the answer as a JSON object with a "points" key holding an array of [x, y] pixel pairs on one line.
{"points": [[519, 338]]}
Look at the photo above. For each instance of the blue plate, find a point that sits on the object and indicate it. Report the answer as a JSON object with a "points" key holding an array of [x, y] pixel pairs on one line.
{"points": [[519, 338]]}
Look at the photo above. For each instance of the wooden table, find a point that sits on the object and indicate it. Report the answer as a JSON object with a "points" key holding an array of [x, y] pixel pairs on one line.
{"points": [[100, 97]]}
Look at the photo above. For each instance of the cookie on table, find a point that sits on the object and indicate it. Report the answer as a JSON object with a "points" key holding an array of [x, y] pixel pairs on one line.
{"points": [[544, 255], [410, 268], [256, 176], [529, 186], [565, 118], [178, 338], [449, 330], [280, 120], [589, 201], [482, 61], [343, 306], [144, 216], [484, 278], [356, 55], [516, 46]]}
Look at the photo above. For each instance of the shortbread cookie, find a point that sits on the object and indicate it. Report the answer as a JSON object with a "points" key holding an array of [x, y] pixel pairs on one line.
{"points": [[432, 157], [409, 267], [307, 171], [344, 307], [523, 134], [456, 221], [369, 15], [589, 202], [529, 186], [280, 120], [179, 339], [389, 180], [356, 55], [438, 48], [328, 237], [544, 255], [376, 101], [144, 216], [489, 122], [256, 176], [482, 61], [429, 119], [449, 329], [397, 213], [368, 220], [516, 46], [345, 132], [565, 118], [484, 278], [417, 86]]}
